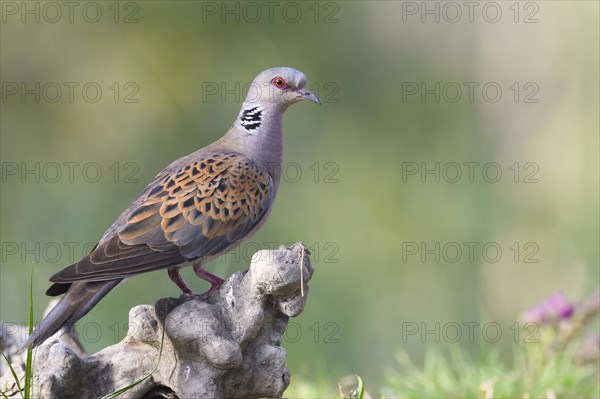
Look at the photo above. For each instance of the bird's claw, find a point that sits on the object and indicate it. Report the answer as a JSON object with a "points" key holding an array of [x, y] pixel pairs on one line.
{"points": [[189, 295], [186, 296], [211, 291]]}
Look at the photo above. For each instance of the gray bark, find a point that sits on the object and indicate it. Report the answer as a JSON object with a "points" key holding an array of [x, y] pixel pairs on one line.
{"points": [[228, 346]]}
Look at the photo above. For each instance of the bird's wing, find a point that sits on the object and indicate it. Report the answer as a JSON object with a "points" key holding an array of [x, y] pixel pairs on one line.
{"points": [[199, 210]]}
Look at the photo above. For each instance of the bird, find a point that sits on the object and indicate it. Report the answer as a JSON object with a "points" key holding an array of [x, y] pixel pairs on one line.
{"points": [[197, 208]]}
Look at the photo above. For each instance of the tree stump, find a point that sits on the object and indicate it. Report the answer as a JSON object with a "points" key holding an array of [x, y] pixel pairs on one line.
{"points": [[228, 346]]}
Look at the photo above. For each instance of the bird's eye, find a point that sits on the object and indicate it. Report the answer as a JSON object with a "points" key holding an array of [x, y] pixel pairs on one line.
{"points": [[279, 82]]}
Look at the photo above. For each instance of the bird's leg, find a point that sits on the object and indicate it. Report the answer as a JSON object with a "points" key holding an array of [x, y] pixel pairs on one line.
{"points": [[176, 277], [215, 281]]}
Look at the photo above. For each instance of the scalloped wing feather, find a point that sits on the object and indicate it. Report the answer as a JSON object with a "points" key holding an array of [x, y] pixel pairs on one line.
{"points": [[203, 207], [199, 210]]}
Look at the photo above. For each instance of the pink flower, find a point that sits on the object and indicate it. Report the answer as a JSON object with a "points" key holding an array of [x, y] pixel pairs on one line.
{"points": [[555, 307]]}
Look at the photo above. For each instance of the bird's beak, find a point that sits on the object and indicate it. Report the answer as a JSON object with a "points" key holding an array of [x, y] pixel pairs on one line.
{"points": [[308, 95]]}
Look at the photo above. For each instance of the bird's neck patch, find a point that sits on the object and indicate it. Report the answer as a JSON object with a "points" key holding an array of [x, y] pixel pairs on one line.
{"points": [[251, 119]]}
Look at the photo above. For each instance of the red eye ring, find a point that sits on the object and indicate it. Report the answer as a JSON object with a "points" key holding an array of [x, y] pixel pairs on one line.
{"points": [[279, 82]]}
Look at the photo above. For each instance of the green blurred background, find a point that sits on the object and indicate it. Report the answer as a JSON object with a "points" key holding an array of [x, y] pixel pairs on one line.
{"points": [[352, 203]]}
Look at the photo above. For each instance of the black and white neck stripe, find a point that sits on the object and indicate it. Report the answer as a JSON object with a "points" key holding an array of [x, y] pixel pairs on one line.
{"points": [[251, 118]]}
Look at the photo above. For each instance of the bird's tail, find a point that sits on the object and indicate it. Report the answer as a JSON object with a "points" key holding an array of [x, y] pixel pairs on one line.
{"points": [[79, 298]]}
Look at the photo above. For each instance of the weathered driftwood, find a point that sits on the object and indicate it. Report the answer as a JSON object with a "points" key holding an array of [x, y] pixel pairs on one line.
{"points": [[225, 347]]}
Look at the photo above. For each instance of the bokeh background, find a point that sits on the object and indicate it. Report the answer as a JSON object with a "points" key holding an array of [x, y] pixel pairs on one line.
{"points": [[346, 191]]}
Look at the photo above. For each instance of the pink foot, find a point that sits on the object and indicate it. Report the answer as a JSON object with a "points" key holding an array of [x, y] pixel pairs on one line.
{"points": [[215, 281]]}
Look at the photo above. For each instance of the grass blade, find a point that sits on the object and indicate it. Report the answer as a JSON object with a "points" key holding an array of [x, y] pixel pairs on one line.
{"points": [[29, 364], [360, 389], [14, 374], [134, 384]]}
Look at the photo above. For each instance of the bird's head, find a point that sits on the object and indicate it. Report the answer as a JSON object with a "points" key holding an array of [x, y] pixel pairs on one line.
{"points": [[280, 87]]}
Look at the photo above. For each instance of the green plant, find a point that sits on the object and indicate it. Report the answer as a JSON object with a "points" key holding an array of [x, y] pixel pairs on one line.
{"points": [[26, 390], [357, 392], [561, 362], [136, 383]]}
